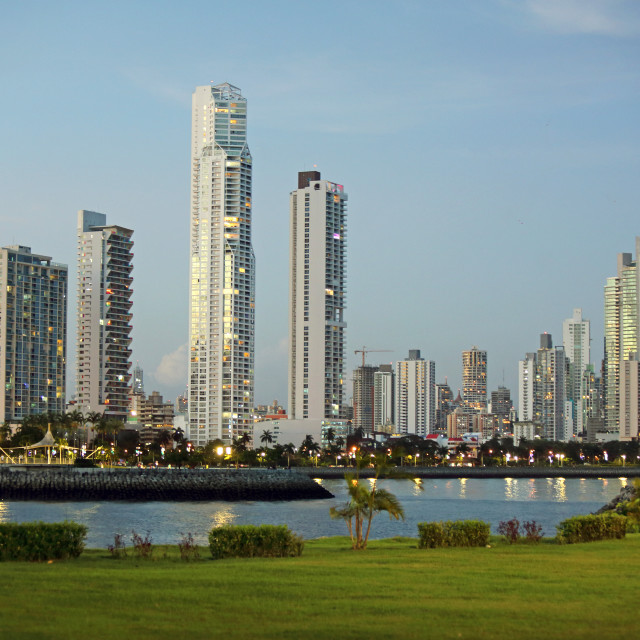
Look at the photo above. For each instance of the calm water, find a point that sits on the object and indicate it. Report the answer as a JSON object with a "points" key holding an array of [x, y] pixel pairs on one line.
{"points": [[546, 500]]}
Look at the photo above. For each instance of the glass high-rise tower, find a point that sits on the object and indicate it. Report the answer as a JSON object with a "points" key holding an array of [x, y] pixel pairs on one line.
{"points": [[222, 268]]}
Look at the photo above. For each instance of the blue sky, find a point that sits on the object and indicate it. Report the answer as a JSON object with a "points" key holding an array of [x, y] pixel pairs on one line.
{"points": [[490, 150]]}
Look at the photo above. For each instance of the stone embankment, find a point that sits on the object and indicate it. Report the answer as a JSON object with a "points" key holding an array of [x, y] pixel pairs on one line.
{"points": [[626, 494], [582, 471], [68, 483]]}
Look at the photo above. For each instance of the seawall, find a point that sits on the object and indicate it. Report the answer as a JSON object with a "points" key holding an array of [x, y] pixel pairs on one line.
{"points": [[480, 472], [68, 483]]}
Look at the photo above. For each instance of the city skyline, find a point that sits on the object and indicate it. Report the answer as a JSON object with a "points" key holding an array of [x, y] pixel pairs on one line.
{"points": [[517, 124]]}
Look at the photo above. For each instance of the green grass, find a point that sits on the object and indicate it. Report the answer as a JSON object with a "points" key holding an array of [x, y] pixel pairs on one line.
{"points": [[391, 590]]}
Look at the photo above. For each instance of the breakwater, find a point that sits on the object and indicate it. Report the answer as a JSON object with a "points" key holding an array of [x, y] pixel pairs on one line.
{"points": [[68, 483], [583, 471]]}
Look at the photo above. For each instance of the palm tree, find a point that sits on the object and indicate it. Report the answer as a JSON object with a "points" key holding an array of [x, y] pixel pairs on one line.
{"points": [[309, 445], [340, 442], [364, 503], [330, 435], [266, 437], [289, 449], [442, 453], [178, 436], [95, 418]]}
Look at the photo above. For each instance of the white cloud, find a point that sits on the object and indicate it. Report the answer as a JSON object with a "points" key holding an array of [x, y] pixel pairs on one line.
{"points": [[172, 369], [604, 17]]}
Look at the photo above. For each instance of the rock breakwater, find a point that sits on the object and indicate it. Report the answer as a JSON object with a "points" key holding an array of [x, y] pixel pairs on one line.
{"points": [[24, 483]]}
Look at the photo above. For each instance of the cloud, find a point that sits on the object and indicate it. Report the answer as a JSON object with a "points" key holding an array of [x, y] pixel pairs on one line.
{"points": [[618, 18], [172, 369]]}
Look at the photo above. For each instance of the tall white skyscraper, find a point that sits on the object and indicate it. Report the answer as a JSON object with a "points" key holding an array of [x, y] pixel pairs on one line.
{"points": [[33, 334], [104, 315], [621, 330], [576, 338], [383, 397], [222, 269], [317, 298], [415, 395]]}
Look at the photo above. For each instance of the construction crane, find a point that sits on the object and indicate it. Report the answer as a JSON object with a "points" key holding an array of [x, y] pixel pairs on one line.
{"points": [[364, 351]]}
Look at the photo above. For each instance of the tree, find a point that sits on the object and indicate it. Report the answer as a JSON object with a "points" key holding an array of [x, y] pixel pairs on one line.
{"points": [[178, 436], [330, 435], [266, 437], [364, 503], [309, 445]]}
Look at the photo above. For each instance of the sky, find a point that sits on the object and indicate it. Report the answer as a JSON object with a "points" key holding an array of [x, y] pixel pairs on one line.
{"points": [[489, 148]]}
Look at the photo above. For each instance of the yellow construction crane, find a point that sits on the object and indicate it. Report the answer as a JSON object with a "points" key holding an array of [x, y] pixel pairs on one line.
{"points": [[364, 351]]}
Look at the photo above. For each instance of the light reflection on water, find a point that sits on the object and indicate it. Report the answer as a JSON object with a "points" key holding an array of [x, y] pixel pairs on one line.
{"points": [[545, 500]]}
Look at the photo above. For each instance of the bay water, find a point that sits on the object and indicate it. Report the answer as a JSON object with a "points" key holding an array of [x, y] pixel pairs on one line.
{"points": [[545, 500]]}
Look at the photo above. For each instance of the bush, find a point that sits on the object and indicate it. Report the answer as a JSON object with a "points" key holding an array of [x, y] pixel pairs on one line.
{"points": [[142, 547], [532, 531], [38, 541], [188, 548], [510, 529], [119, 548], [457, 533], [249, 541], [592, 527]]}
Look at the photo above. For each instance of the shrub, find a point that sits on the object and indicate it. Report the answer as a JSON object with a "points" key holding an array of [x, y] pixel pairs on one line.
{"points": [[119, 548], [592, 527], [142, 547], [188, 548], [457, 533], [532, 531], [510, 529], [249, 541], [38, 541]]}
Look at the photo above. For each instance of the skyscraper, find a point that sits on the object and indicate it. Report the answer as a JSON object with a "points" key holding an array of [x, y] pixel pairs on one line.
{"points": [[33, 334], [542, 390], [317, 298], [474, 379], [363, 396], [104, 315], [621, 329], [222, 268], [415, 395], [576, 338], [383, 397]]}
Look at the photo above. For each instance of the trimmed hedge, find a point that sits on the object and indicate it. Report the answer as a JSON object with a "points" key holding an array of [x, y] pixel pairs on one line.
{"points": [[249, 541], [591, 527], [457, 533], [39, 541]]}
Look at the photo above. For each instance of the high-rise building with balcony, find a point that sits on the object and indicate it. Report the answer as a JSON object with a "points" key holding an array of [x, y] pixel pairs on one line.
{"points": [[33, 334], [104, 315], [317, 298], [542, 390], [621, 329], [415, 395], [222, 268], [383, 397], [474, 379], [576, 339], [363, 397]]}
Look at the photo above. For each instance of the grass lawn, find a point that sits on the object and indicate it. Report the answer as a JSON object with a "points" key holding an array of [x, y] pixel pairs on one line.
{"points": [[391, 590]]}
